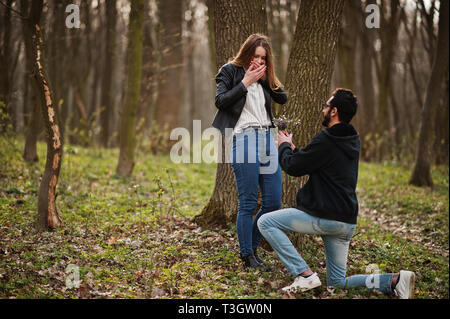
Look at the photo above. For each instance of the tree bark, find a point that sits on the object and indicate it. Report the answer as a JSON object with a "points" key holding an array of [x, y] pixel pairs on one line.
{"points": [[421, 175], [346, 53], [234, 21], [80, 67], [5, 68], [309, 73], [48, 217], [132, 93], [211, 37], [170, 93], [107, 97], [31, 96], [148, 83], [442, 127], [34, 128], [367, 101], [388, 37]]}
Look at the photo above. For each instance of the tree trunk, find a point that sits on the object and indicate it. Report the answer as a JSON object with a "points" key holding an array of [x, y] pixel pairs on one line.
{"points": [[388, 37], [234, 21], [107, 97], [132, 93], [48, 217], [63, 59], [421, 175], [148, 83], [346, 53], [28, 109], [80, 68], [170, 93], [34, 128], [367, 103], [5, 69], [32, 95], [442, 128], [189, 76], [58, 50], [276, 33], [211, 37], [309, 73]]}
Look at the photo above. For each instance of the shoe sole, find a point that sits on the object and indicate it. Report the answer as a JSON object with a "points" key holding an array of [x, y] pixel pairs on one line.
{"points": [[297, 289]]}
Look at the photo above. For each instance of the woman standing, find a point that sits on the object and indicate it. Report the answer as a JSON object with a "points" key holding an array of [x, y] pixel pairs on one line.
{"points": [[245, 87]]}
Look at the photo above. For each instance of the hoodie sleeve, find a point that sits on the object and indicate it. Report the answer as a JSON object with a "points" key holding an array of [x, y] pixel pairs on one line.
{"points": [[303, 161]]}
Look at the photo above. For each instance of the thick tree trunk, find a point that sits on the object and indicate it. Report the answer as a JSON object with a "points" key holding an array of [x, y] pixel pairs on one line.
{"points": [[48, 217], [107, 96], [170, 93], [132, 93], [234, 21], [309, 72], [421, 175]]}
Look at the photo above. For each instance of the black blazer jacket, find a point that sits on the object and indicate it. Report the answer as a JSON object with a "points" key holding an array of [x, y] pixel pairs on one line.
{"points": [[231, 94]]}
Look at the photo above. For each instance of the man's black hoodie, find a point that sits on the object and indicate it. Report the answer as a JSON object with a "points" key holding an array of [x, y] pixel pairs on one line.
{"points": [[331, 161]]}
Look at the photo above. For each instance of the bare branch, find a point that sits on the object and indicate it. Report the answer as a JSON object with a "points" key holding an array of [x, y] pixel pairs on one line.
{"points": [[13, 10]]}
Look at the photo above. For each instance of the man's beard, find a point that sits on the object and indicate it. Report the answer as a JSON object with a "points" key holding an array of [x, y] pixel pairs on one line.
{"points": [[326, 119]]}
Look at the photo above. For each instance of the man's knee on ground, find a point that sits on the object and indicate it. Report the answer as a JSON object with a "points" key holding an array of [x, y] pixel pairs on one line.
{"points": [[336, 283]]}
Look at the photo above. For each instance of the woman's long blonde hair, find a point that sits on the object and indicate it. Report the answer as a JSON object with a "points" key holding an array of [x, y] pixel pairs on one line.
{"points": [[247, 51]]}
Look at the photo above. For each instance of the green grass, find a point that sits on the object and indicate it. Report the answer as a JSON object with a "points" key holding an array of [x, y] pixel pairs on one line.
{"points": [[133, 237], [385, 189]]}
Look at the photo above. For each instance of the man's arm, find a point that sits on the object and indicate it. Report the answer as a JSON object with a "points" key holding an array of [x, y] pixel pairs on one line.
{"points": [[303, 161]]}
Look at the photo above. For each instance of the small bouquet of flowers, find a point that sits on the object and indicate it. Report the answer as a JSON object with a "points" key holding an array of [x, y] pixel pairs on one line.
{"points": [[285, 124]]}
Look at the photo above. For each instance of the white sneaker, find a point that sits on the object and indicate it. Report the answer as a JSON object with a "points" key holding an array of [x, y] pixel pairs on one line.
{"points": [[405, 286], [303, 284]]}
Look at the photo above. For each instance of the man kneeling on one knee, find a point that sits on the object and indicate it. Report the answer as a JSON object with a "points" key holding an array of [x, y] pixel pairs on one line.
{"points": [[327, 204]]}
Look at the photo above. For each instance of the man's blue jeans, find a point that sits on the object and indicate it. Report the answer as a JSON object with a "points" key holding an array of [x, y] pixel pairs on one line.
{"points": [[336, 238], [255, 163]]}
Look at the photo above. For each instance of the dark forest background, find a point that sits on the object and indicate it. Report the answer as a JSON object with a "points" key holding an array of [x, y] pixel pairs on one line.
{"points": [[388, 68]]}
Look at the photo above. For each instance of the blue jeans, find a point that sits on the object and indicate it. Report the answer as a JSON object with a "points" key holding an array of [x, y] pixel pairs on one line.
{"points": [[255, 163], [336, 238]]}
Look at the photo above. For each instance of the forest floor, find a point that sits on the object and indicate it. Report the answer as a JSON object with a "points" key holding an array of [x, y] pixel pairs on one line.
{"points": [[133, 237]]}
